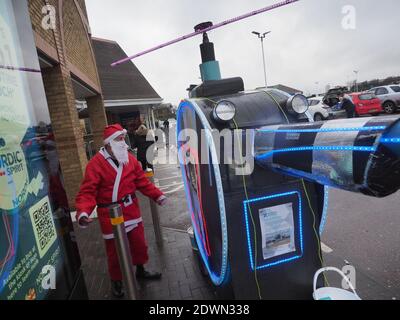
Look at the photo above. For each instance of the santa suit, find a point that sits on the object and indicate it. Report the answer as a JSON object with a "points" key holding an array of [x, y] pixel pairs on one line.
{"points": [[104, 183]]}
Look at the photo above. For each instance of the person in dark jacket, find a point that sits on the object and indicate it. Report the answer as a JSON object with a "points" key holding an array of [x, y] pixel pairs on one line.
{"points": [[166, 131], [348, 105], [143, 145]]}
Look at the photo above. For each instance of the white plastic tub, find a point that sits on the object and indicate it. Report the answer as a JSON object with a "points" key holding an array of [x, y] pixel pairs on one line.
{"points": [[331, 293]]}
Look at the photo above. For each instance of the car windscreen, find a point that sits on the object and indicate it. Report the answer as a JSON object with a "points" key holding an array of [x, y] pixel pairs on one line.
{"points": [[395, 88], [366, 96]]}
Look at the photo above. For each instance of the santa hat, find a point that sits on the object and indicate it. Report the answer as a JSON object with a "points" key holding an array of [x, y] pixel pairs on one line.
{"points": [[113, 131]]}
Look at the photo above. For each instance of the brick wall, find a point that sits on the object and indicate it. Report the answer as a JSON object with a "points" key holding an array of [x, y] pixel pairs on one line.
{"points": [[74, 39], [82, 4], [98, 120], [73, 50], [35, 11], [66, 126], [77, 45]]}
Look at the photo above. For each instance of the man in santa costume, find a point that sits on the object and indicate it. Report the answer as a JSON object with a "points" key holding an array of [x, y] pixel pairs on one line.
{"points": [[112, 176]]}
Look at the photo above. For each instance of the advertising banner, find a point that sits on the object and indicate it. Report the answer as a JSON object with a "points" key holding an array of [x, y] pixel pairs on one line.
{"points": [[37, 257]]}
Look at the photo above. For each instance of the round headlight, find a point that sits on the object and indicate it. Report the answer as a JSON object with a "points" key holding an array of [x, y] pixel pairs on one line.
{"points": [[224, 111], [297, 104]]}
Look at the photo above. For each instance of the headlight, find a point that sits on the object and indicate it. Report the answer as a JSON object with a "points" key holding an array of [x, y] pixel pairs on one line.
{"points": [[224, 111], [297, 104]]}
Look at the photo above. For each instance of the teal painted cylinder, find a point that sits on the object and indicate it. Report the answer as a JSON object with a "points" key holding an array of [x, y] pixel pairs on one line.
{"points": [[210, 71]]}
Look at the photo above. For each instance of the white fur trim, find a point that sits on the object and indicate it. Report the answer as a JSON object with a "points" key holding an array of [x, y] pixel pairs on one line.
{"points": [[134, 221], [104, 153], [108, 236], [114, 135], [129, 226], [161, 198], [117, 183], [83, 214]]}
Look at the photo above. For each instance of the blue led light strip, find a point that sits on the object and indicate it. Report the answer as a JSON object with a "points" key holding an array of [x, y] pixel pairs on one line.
{"points": [[390, 140], [309, 148], [246, 215], [324, 210], [217, 279], [373, 128]]}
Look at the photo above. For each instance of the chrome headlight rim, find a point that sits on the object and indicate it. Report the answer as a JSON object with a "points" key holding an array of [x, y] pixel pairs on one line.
{"points": [[295, 108], [222, 116]]}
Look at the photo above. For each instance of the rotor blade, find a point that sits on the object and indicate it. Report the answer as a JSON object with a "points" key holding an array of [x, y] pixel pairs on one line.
{"points": [[244, 16]]}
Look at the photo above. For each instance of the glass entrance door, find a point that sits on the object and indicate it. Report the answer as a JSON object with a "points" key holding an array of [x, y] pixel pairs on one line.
{"points": [[38, 257]]}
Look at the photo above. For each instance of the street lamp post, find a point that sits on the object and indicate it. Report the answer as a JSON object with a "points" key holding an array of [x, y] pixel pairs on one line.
{"points": [[356, 72], [262, 36]]}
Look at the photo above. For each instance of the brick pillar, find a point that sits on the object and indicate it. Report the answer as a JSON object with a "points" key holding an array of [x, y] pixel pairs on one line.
{"points": [[97, 118], [109, 118], [67, 130]]}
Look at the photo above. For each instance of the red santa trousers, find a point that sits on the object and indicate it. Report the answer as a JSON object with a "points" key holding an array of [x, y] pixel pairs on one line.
{"points": [[138, 248]]}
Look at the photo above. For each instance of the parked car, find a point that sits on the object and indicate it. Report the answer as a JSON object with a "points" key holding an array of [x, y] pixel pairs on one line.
{"points": [[321, 111], [366, 103], [318, 110], [389, 97], [331, 98]]}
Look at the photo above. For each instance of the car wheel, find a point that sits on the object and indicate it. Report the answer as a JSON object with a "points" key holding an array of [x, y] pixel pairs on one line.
{"points": [[389, 107], [318, 117]]}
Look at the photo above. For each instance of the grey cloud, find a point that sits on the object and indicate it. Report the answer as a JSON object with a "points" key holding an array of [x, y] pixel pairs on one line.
{"points": [[307, 43]]}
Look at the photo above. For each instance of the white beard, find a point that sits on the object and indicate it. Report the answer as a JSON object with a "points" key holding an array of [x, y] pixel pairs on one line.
{"points": [[120, 151]]}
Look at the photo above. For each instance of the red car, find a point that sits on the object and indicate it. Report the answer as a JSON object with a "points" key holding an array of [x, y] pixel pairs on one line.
{"points": [[366, 103]]}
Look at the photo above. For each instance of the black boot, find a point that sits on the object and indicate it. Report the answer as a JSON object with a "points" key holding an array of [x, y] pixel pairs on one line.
{"points": [[117, 290], [142, 273]]}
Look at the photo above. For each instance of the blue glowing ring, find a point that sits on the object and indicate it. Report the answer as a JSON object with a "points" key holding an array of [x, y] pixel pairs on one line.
{"points": [[217, 279], [316, 148], [390, 140], [372, 128]]}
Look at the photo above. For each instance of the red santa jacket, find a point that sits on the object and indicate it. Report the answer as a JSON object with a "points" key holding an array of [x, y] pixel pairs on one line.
{"points": [[105, 183]]}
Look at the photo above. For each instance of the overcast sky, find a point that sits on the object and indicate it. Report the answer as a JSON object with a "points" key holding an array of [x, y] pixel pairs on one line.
{"points": [[308, 48]]}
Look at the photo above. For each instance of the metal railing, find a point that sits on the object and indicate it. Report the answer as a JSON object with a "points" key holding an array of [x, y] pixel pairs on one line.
{"points": [[155, 214], [123, 251]]}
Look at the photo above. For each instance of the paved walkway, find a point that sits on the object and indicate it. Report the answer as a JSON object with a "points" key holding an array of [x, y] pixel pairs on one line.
{"points": [[182, 278]]}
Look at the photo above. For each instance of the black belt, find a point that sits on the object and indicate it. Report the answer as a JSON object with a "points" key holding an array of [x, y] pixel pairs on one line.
{"points": [[123, 200]]}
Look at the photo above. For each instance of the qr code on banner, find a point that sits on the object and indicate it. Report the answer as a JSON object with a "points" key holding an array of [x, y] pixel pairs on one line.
{"points": [[43, 225]]}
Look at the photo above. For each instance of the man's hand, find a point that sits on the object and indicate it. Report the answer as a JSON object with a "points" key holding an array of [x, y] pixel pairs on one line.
{"points": [[161, 201], [85, 221]]}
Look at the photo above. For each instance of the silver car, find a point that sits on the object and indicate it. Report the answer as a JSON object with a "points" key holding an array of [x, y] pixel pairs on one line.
{"points": [[389, 96]]}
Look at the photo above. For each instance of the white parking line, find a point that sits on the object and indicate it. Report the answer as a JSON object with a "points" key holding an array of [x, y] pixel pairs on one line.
{"points": [[170, 167], [325, 248], [175, 184], [174, 229], [168, 178], [174, 190]]}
